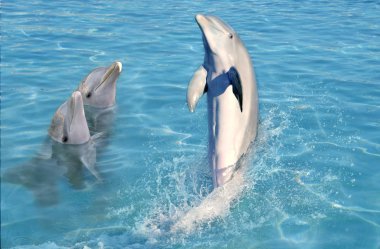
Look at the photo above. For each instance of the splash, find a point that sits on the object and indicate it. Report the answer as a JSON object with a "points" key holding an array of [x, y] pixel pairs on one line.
{"points": [[217, 204], [185, 202]]}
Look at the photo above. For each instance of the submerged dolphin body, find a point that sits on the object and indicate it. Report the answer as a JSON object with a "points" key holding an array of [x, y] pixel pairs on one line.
{"points": [[98, 88], [55, 161], [228, 78], [68, 148]]}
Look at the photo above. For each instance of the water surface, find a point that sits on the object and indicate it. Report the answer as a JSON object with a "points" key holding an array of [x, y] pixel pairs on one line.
{"points": [[312, 179]]}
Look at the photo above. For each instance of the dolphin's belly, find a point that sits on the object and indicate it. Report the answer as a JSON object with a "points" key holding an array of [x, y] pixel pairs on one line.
{"points": [[224, 123], [230, 129]]}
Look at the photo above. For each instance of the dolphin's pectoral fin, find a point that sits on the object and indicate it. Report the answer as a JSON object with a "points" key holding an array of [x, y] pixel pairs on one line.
{"points": [[98, 135], [197, 87], [233, 76], [89, 163]]}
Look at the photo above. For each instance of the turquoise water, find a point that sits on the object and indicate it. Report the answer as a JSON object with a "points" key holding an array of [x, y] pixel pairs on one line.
{"points": [[312, 175]]}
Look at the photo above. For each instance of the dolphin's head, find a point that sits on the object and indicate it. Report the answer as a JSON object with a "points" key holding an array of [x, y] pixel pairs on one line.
{"points": [[69, 125], [219, 38], [98, 89]]}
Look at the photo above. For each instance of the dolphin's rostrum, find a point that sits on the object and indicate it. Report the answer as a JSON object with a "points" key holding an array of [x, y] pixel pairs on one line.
{"points": [[98, 88]]}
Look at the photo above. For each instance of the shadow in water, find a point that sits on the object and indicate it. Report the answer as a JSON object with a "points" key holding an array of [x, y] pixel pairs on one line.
{"points": [[54, 161]]}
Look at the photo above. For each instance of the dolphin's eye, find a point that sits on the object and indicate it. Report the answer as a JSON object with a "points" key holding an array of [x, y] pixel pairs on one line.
{"points": [[88, 95], [64, 139], [230, 35]]}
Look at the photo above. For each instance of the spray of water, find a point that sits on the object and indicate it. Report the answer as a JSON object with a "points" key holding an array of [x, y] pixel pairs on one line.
{"points": [[184, 202]]}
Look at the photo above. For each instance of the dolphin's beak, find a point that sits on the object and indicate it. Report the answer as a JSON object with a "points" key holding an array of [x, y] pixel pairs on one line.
{"points": [[73, 108], [75, 127], [201, 21], [76, 98], [204, 24], [114, 69], [76, 106], [119, 66]]}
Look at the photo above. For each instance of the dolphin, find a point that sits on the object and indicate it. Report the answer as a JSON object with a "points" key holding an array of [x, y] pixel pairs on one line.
{"points": [[98, 88], [98, 91], [69, 124], [228, 78], [65, 152]]}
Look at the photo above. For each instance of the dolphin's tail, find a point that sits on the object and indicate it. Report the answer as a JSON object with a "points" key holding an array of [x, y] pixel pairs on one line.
{"points": [[216, 204]]}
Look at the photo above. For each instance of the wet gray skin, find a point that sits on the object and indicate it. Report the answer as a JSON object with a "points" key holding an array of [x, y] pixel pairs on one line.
{"points": [[98, 88]]}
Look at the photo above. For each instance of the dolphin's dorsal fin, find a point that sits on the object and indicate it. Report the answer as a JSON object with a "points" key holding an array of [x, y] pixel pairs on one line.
{"points": [[197, 87], [234, 78]]}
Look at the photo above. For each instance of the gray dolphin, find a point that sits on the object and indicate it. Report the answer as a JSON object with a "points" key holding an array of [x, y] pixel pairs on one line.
{"points": [[98, 88], [98, 91], [228, 77], [69, 125], [68, 148]]}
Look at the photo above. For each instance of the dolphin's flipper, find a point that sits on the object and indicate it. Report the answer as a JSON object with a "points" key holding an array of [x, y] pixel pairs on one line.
{"points": [[89, 161], [237, 89], [97, 136], [197, 87]]}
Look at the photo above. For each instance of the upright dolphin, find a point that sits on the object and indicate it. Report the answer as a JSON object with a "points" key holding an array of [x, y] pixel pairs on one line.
{"points": [[228, 77], [98, 88]]}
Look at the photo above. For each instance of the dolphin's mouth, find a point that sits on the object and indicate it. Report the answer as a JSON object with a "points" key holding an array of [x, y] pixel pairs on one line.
{"points": [[202, 21], [208, 27], [115, 68]]}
